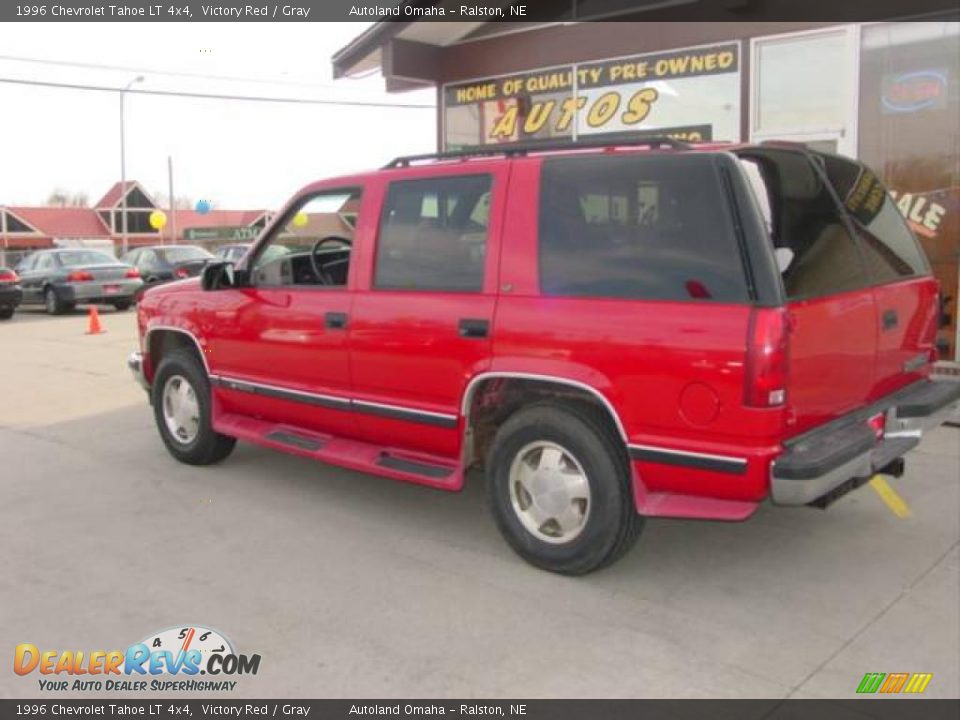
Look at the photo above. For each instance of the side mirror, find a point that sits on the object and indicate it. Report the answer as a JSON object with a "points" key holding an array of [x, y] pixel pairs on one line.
{"points": [[218, 275]]}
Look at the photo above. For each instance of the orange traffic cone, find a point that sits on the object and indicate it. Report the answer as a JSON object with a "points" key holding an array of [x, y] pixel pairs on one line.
{"points": [[93, 325]]}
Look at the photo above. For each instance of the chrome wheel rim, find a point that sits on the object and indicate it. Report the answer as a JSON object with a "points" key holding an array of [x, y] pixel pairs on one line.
{"points": [[51, 301], [549, 492], [181, 410]]}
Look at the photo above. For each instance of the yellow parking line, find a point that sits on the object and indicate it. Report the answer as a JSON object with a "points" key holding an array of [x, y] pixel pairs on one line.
{"points": [[891, 497]]}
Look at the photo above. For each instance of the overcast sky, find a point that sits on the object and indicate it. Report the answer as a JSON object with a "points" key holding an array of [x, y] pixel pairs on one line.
{"points": [[239, 154]]}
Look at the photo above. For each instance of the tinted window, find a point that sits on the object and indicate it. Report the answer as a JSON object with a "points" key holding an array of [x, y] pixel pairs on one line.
{"points": [[890, 250], [433, 234], [185, 253], [644, 227], [85, 257], [816, 253]]}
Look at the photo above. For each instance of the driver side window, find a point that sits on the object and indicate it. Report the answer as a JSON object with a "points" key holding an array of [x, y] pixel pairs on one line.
{"points": [[313, 245]]}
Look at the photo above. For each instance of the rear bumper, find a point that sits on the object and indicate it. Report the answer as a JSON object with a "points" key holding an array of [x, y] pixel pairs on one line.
{"points": [[123, 290], [829, 460], [10, 296]]}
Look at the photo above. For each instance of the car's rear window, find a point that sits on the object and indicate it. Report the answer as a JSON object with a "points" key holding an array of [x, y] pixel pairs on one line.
{"points": [[184, 254], [890, 250], [653, 227], [84, 257]]}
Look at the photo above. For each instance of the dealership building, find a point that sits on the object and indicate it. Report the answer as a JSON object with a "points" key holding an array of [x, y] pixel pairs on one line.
{"points": [[885, 91]]}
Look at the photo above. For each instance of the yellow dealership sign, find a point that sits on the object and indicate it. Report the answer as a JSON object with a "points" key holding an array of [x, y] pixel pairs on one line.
{"points": [[678, 89]]}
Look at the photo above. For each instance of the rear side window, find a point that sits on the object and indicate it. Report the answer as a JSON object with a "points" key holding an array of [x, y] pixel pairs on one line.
{"points": [[890, 250], [433, 234], [638, 227]]}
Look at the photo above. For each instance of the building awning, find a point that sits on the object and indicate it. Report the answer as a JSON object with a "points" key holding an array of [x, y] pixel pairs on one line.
{"points": [[405, 52]]}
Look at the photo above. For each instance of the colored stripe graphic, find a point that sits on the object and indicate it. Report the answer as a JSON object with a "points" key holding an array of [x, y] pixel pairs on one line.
{"points": [[871, 682], [918, 682], [894, 683]]}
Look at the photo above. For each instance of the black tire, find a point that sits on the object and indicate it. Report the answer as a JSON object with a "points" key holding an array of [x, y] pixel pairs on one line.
{"points": [[52, 302], [122, 305], [6, 312], [612, 524], [208, 446]]}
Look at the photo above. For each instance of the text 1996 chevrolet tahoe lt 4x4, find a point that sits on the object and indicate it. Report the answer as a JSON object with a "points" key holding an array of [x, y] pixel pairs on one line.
{"points": [[647, 329]]}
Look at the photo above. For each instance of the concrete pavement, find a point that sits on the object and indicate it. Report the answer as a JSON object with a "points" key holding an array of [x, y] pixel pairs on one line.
{"points": [[354, 586]]}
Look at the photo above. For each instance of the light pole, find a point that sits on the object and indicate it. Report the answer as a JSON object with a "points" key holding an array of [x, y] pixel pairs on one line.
{"points": [[123, 167]]}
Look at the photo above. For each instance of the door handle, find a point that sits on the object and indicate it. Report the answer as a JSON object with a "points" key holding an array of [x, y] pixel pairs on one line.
{"points": [[890, 319], [335, 320], [473, 328]]}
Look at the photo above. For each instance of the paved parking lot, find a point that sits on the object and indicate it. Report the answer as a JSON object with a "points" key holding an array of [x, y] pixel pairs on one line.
{"points": [[352, 586]]}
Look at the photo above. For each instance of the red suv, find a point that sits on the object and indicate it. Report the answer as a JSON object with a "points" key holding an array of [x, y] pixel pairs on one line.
{"points": [[610, 333]]}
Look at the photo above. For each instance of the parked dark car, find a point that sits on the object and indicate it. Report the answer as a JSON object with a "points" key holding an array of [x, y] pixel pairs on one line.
{"points": [[232, 252], [162, 263], [60, 279], [10, 292]]}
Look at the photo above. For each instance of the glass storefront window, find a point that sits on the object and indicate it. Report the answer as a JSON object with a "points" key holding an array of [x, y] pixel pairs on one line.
{"points": [[909, 132], [801, 82]]}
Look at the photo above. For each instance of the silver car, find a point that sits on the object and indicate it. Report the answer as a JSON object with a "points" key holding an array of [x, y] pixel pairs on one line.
{"points": [[60, 279]]}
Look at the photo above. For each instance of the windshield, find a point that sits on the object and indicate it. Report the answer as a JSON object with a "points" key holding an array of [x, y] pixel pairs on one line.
{"points": [[84, 257], [184, 254]]}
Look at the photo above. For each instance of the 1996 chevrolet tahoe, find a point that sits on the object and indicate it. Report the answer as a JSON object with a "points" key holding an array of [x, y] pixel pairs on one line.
{"points": [[610, 333]]}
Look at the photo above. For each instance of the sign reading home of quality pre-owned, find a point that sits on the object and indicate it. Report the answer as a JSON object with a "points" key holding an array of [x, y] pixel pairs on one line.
{"points": [[666, 91]]}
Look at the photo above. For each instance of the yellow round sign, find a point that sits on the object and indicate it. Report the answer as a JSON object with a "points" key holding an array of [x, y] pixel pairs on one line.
{"points": [[158, 219], [300, 220]]}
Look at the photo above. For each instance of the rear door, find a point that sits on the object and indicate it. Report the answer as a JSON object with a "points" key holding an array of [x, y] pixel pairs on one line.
{"points": [[421, 325], [833, 342], [904, 290]]}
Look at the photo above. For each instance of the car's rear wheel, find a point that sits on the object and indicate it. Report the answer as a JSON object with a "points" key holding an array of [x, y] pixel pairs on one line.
{"points": [[559, 487], [52, 302], [181, 406], [6, 313], [122, 305]]}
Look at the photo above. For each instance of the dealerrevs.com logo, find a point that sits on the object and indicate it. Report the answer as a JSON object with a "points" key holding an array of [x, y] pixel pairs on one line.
{"points": [[170, 660]]}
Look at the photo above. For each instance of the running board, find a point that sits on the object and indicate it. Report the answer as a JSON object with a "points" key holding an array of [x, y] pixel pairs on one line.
{"points": [[423, 469], [295, 439]]}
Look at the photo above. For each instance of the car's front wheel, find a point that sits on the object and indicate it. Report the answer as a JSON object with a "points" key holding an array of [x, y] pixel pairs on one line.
{"points": [[6, 312], [559, 487], [181, 406]]}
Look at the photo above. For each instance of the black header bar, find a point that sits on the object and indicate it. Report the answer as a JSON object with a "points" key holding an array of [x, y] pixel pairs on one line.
{"points": [[500, 11]]}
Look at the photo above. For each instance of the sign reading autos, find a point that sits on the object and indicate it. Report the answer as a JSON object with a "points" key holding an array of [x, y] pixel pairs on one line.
{"points": [[691, 94]]}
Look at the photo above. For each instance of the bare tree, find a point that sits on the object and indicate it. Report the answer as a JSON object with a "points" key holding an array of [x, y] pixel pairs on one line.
{"points": [[61, 198], [58, 198]]}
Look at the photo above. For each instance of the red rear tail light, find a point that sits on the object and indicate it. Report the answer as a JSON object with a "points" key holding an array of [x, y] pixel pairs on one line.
{"points": [[182, 273], [768, 341], [132, 273], [79, 276], [8, 276]]}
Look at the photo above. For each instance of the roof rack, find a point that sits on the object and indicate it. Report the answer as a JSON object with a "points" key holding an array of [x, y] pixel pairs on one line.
{"points": [[530, 147]]}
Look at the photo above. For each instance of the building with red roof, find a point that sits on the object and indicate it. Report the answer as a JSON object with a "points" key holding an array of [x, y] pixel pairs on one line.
{"points": [[24, 229]]}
